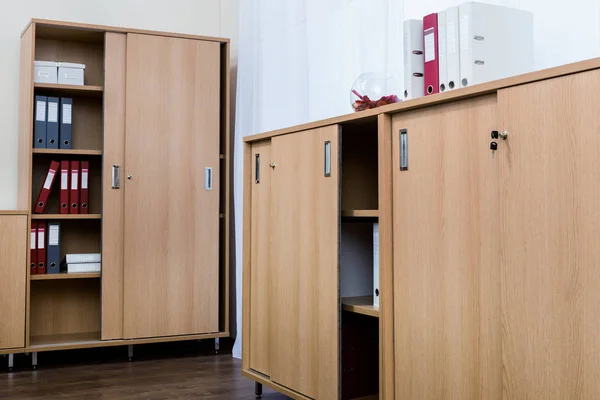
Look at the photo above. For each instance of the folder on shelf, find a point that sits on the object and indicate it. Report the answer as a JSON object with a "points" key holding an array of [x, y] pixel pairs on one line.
{"points": [[78, 268], [430, 47], [66, 126], [42, 199], [376, 264], [52, 124], [442, 56], [53, 261], [82, 258], [84, 192], [64, 186], [74, 191], [33, 249], [495, 42], [41, 247], [452, 49], [414, 81], [39, 127]]}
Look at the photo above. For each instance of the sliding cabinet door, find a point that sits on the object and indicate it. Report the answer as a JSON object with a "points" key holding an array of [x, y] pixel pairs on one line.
{"points": [[171, 239], [446, 253], [304, 262], [550, 228]]}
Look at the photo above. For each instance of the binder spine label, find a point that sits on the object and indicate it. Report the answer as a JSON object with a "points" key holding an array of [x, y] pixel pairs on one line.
{"points": [[464, 32], [74, 180], [429, 45], [84, 179], [450, 37], [66, 114], [49, 179], [32, 240], [41, 239], [40, 114], [53, 235], [64, 179], [52, 112]]}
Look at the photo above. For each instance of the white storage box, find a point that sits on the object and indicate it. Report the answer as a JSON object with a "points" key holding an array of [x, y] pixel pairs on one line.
{"points": [[45, 72], [70, 73]]}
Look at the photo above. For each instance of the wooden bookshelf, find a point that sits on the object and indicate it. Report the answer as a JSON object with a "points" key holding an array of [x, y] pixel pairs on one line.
{"points": [[66, 216], [49, 277], [360, 305], [69, 90], [68, 152]]}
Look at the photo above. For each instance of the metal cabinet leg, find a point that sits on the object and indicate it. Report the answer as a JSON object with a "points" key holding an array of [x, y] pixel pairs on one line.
{"points": [[217, 346], [130, 352], [258, 390], [11, 361], [34, 360]]}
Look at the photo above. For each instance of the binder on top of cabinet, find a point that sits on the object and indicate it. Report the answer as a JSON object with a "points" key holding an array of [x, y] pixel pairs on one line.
{"points": [[53, 260], [74, 189], [414, 68], [452, 49], [39, 127], [430, 45], [66, 117], [33, 248], [41, 247], [442, 56], [495, 42], [52, 124], [42, 200]]}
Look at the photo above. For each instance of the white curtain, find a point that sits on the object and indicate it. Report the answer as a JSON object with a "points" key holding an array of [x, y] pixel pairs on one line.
{"points": [[297, 61]]}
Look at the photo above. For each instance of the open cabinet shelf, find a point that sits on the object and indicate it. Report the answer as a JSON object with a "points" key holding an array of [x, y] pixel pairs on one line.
{"points": [[360, 213], [68, 152], [50, 277], [55, 89], [360, 305], [64, 339]]}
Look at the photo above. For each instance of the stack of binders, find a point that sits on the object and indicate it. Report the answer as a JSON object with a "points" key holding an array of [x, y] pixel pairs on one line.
{"points": [[45, 247], [465, 45], [81, 263], [74, 184], [53, 124]]}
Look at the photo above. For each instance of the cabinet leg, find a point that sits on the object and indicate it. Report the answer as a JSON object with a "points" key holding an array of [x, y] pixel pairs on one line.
{"points": [[130, 352], [34, 360], [11, 361], [258, 390], [217, 346]]}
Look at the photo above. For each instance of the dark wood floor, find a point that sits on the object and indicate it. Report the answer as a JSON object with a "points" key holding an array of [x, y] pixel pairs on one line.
{"points": [[182, 377]]}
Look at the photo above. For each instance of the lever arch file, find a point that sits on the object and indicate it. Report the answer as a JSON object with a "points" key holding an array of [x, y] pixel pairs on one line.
{"points": [[39, 127], [41, 247], [65, 177], [53, 260], [52, 124], [442, 56], [74, 190], [414, 59], [430, 45], [66, 126], [42, 200], [84, 192], [452, 49], [33, 248]]}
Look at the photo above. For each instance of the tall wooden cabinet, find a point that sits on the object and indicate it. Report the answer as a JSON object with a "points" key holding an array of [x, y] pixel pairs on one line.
{"points": [[152, 120], [488, 259]]}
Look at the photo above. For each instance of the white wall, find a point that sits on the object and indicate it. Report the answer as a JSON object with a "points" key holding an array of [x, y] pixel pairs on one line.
{"points": [[202, 17], [565, 31]]}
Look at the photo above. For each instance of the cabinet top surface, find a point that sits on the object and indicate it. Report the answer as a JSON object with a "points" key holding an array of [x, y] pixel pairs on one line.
{"points": [[463, 93], [104, 28]]}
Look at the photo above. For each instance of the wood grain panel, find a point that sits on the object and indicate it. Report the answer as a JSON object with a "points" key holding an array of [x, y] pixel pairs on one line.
{"points": [[13, 285], [386, 258], [171, 235], [25, 119], [305, 307], [65, 307], [549, 233], [227, 223], [115, 67], [246, 255], [90, 54], [260, 276], [446, 254]]}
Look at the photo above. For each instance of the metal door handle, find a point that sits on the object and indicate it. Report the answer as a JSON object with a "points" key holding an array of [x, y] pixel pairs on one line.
{"points": [[116, 177]]}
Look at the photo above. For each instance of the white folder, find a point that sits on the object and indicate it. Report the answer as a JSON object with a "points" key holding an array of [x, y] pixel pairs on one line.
{"points": [[495, 42], [452, 49], [414, 59], [442, 56]]}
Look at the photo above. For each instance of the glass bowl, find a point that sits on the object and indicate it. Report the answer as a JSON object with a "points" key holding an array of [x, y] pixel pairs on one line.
{"points": [[374, 89]]}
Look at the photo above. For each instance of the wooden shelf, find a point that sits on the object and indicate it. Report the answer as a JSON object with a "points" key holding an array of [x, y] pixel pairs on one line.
{"points": [[49, 277], [361, 213], [360, 305], [66, 216], [67, 152], [72, 90], [64, 339]]}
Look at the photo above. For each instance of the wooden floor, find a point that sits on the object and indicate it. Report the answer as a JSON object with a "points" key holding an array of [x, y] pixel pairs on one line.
{"points": [[186, 377]]}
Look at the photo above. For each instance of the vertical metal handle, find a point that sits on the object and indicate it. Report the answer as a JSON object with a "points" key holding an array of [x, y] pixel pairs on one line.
{"points": [[257, 168], [403, 150], [328, 158], [208, 178], [116, 177]]}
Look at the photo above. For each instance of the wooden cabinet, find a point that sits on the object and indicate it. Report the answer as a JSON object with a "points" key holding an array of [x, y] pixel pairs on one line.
{"points": [[13, 267], [152, 121], [488, 260]]}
